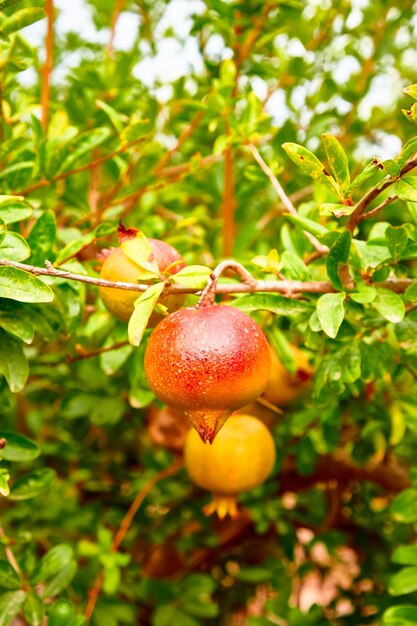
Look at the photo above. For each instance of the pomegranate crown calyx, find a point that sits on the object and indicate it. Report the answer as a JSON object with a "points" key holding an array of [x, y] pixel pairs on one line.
{"points": [[124, 233]]}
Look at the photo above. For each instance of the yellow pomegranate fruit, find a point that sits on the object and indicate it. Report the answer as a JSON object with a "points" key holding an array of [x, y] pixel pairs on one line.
{"points": [[119, 267], [283, 387], [241, 458], [207, 362]]}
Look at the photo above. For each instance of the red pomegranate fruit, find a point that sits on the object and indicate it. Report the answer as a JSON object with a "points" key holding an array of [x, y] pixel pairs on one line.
{"points": [[207, 362]]}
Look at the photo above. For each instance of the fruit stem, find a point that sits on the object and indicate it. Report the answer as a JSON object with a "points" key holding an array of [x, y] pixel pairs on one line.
{"points": [[209, 292]]}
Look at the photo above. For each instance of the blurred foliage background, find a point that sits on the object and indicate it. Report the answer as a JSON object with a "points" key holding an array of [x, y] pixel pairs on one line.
{"points": [[93, 132]]}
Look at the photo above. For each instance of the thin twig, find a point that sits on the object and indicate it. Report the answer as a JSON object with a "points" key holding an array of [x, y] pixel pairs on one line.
{"points": [[169, 175], [373, 193], [89, 166], [228, 202], [12, 559], [89, 355], [322, 249], [115, 16], [187, 132], [124, 527], [286, 287], [377, 209]]}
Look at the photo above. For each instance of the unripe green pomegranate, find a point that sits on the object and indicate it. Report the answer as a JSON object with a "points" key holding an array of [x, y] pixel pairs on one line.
{"points": [[207, 362], [118, 267]]}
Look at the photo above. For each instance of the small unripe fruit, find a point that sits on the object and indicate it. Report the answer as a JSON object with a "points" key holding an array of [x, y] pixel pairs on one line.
{"points": [[207, 362], [118, 267], [283, 387], [241, 458]]}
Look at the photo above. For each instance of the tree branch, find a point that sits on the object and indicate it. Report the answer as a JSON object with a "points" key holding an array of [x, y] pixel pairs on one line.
{"points": [[377, 209], [124, 527], [373, 193], [47, 68], [88, 355], [251, 285], [115, 16], [319, 247], [84, 168], [187, 132], [228, 202]]}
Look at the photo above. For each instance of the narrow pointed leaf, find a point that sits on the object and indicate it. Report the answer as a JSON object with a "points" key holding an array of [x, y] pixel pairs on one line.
{"points": [[10, 605], [310, 165], [331, 312], [13, 362], [144, 306], [337, 159], [338, 257]]}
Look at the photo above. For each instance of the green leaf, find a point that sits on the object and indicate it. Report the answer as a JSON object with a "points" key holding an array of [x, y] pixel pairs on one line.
{"points": [[193, 276], [409, 149], [18, 448], [411, 113], [254, 574], [9, 579], [397, 239], [369, 170], [331, 312], [4, 482], [405, 555], [389, 304], [13, 362], [18, 323], [296, 266], [14, 248], [283, 349], [403, 582], [61, 580], [33, 610], [73, 247], [363, 294], [114, 116], [271, 302], [411, 292], [411, 91], [406, 188], [310, 165], [20, 19], [10, 605], [338, 257], [83, 144], [398, 424], [61, 613], [337, 159], [3, 231], [309, 225], [14, 209], [405, 615], [404, 507], [168, 615], [17, 284], [144, 306], [52, 563], [336, 209], [140, 252], [33, 485], [41, 238]]}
